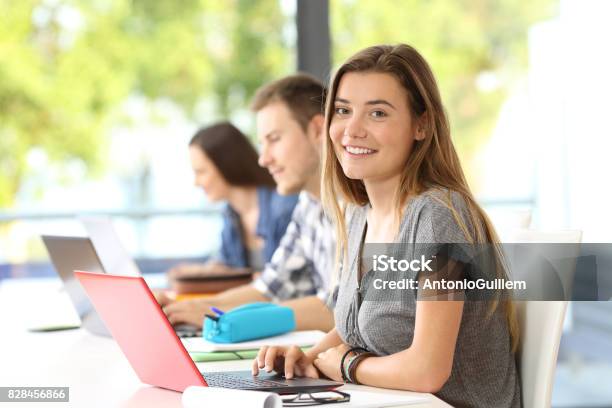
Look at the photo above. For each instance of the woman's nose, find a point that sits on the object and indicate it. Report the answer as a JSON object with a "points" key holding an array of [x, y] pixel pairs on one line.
{"points": [[355, 128]]}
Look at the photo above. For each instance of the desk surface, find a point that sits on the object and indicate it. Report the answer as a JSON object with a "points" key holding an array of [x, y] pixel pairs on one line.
{"points": [[93, 367]]}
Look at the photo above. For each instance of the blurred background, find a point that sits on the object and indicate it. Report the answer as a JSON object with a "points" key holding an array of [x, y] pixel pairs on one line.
{"points": [[99, 98]]}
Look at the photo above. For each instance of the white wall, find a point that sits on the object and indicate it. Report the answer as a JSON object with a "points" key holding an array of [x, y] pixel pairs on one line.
{"points": [[570, 88]]}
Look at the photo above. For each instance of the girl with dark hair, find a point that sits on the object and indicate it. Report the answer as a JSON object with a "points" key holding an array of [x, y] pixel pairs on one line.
{"points": [[255, 218]]}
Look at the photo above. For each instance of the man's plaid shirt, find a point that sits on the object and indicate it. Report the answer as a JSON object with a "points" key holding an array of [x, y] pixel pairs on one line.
{"points": [[303, 262]]}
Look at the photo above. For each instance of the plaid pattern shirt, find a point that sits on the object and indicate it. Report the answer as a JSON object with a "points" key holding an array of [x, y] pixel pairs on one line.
{"points": [[303, 262]]}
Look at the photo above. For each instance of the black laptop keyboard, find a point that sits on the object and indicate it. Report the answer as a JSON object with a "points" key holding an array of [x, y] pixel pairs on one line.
{"points": [[187, 331], [225, 380]]}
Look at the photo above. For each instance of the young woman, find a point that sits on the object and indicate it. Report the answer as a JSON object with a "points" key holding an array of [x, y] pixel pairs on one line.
{"points": [[255, 219], [390, 161]]}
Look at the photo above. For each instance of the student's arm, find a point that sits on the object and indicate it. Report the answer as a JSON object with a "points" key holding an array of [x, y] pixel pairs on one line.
{"points": [[331, 339], [238, 296], [311, 314], [424, 367], [193, 311], [290, 278]]}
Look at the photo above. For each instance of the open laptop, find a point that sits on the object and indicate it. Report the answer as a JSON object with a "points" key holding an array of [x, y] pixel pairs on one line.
{"points": [[117, 260], [78, 253], [113, 255], [156, 354], [68, 254]]}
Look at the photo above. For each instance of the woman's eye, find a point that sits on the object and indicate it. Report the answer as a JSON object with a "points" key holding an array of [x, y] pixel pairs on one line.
{"points": [[379, 114], [341, 111]]}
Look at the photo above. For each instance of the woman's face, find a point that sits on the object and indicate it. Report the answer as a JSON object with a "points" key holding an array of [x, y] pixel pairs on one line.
{"points": [[207, 176], [372, 128]]}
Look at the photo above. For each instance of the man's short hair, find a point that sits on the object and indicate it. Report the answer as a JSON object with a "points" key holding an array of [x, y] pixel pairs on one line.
{"points": [[303, 94]]}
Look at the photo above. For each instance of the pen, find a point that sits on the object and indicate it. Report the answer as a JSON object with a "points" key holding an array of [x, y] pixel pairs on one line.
{"points": [[217, 311], [215, 318]]}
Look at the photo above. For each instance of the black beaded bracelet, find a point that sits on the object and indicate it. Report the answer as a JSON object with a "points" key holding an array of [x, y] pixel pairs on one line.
{"points": [[349, 351]]}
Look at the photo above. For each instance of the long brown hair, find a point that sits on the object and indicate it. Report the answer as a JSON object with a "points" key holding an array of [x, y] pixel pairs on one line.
{"points": [[432, 163], [233, 155]]}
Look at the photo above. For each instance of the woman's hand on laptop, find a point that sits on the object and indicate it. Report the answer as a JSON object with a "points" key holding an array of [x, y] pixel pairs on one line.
{"points": [[187, 311], [290, 360]]}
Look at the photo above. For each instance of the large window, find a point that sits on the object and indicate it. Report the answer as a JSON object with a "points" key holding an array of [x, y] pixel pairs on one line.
{"points": [[99, 99], [479, 54]]}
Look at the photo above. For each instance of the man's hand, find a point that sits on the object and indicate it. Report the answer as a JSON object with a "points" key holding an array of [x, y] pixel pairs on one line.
{"points": [[192, 311], [162, 297], [187, 311]]}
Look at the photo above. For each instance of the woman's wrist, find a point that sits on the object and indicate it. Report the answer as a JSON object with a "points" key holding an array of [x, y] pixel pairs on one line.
{"points": [[354, 364], [345, 362], [345, 369]]}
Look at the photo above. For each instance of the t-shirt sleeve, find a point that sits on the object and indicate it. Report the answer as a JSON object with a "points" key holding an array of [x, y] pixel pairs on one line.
{"points": [[444, 234]]}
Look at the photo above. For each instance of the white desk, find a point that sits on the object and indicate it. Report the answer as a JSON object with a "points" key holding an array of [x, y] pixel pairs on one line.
{"points": [[93, 367]]}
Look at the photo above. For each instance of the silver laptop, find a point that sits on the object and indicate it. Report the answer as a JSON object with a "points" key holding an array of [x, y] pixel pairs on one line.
{"points": [[78, 253], [68, 254], [113, 255]]}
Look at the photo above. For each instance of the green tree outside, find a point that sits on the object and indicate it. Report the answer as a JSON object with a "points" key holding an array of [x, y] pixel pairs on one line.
{"points": [[464, 41], [67, 65]]}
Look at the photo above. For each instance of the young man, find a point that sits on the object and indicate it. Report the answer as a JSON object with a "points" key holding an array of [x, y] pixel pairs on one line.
{"points": [[290, 128]]}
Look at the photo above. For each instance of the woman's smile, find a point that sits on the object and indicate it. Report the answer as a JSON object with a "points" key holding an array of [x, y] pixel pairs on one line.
{"points": [[353, 151]]}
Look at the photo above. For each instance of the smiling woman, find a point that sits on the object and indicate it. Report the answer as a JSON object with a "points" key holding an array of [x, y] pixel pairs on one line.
{"points": [[391, 162], [372, 103], [391, 175]]}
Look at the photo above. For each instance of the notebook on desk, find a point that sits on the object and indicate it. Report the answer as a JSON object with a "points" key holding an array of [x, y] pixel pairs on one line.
{"points": [[298, 338]]}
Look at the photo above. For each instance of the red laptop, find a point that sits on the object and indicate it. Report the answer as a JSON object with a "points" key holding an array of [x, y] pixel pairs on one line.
{"points": [[146, 337]]}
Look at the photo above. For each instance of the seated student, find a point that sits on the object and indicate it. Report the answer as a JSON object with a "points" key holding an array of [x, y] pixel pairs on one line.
{"points": [[390, 158], [290, 129], [255, 219]]}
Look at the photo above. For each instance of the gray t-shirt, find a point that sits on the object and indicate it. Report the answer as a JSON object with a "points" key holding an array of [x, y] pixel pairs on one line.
{"points": [[484, 369]]}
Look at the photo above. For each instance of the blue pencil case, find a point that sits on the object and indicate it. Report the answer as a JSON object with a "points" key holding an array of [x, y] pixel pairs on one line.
{"points": [[249, 322]]}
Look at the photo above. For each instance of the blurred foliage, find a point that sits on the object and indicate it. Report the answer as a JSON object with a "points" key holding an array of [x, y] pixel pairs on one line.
{"points": [[66, 66], [465, 42]]}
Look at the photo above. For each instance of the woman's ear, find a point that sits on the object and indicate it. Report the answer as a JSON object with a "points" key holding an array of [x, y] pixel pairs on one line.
{"points": [[420, 134], [420, 128]]}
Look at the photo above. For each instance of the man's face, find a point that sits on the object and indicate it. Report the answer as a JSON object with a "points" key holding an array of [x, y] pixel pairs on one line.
{"points": [[290, 154]]}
